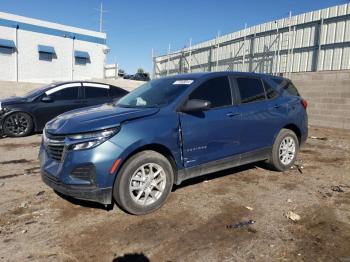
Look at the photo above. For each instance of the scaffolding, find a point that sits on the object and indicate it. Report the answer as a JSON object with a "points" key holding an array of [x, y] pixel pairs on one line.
{"points": [[314, 41]]}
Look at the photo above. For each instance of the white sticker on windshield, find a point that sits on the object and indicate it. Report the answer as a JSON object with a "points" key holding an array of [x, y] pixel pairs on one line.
{"points": [[183, 82], [140, 102]]}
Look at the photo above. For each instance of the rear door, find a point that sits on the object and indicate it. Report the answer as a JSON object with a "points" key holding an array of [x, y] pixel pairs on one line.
{"points": [[64, 98], [261, 112], [213, 134], [96, 94]]}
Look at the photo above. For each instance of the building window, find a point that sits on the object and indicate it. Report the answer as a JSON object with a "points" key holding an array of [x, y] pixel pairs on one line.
{"points": [[46, 53], [7, 46], [81, 57]]}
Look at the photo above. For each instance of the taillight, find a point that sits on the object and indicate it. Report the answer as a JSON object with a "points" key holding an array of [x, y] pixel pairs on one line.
{"points": [[304, 103]]}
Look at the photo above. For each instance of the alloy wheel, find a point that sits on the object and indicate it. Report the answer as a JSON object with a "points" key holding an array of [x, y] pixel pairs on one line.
{"points": [[287, 150], [147, 184]]}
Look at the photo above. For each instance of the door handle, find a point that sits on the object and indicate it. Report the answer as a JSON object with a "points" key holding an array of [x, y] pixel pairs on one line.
{"points": [[232, 114], [276, 106]]}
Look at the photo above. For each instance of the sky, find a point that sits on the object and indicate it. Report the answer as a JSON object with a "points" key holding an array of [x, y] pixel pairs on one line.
{"points": [[135, 27]]}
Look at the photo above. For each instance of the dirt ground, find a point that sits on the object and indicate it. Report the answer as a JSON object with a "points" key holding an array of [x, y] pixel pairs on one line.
{"points": [[197, 222]]}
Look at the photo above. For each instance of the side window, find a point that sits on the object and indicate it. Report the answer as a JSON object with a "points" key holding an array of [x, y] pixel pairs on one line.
{"points": [[45, 56], [291, 89], [270, 92], [287, 85], [250, 89], [69, 93], [117, 92], [216, 90], [96, 92]]}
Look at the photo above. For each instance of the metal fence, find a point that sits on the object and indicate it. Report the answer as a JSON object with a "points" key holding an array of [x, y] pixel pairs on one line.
{"points": [[314, 41]]}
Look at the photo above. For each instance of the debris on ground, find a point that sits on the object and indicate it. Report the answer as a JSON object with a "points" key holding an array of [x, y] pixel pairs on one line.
{"points": [[40, 193], [337, 189], [319, 138], [2, 184], [24, 231], [249, 208], [31, 222], [24, 205], [289, 200], [292, 216], [241, 224], [297, 166]]}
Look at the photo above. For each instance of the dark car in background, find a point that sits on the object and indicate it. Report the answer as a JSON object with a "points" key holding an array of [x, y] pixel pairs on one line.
{"points": [[19, 116], [141, 77]]}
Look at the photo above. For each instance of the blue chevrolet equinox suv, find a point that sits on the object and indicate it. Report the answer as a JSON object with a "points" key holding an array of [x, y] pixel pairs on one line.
{"points": [[169, 130]]}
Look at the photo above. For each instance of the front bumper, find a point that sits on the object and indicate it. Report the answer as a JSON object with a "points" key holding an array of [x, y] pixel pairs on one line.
{"points": [[82, 174], [100, 195]]}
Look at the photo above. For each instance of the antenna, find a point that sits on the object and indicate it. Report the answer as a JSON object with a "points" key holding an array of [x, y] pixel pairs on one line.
{"points": [[101, 16]]}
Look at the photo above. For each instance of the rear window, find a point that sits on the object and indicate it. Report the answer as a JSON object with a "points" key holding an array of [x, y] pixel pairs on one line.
{"points": [[270, 92], [286, 85], [96, 92], [250, 89]]}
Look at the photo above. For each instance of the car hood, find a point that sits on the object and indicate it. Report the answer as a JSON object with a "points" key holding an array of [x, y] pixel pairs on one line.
{"points": [[95, 118], [12, 101]]}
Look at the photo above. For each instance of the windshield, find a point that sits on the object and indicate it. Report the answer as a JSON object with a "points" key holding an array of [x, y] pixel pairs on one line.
{"points": [[35, 92], [156, 93]]}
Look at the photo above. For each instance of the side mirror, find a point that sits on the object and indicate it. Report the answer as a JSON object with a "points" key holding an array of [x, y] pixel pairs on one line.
{"points": [[195, 105], [46, 99]]}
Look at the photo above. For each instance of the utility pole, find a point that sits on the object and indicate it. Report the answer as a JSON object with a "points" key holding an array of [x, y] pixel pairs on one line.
{"points": [[168, 65], [190, 57], [217, 51]]}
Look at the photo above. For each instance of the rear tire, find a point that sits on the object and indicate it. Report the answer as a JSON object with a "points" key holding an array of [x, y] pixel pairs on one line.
{"points": [[144, 183], [285, 150], [18, 124]]}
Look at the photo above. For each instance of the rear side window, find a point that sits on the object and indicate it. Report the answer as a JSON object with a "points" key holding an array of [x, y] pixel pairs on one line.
{"points": [[216, 90], [69, 93], [96, 92], [250, 89], [270, 92], [117, 92], [287, 85]]}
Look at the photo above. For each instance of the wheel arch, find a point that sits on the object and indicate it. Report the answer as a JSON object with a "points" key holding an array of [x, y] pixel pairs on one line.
{"points": [[295, 129], [159, 148]]}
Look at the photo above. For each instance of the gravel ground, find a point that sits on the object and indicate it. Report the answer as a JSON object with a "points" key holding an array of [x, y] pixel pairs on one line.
{"points": [[199, 221]]}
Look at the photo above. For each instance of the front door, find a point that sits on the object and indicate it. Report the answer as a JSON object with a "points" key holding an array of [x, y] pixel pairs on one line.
{"points": [[64, 98], [212, 134]]}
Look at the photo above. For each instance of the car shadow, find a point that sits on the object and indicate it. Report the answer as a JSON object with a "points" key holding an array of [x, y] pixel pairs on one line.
{"points": [[222, 173], [84, 203], [189, 182]]}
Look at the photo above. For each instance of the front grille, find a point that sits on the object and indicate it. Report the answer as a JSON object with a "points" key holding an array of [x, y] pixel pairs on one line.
{"points": [[55, 151], [55, 146]]}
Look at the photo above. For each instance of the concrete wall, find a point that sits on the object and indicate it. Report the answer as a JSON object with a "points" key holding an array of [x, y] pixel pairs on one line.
{"points": [[328, 96], [28, 33], [327, 93]]}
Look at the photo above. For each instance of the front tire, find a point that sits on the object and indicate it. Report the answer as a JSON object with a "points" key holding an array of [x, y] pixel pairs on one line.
{"points": [[17, 124], [284, 150], [144, 183]]}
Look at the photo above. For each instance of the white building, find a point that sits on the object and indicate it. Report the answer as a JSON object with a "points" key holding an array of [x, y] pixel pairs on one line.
{"points": [[33, 50]]}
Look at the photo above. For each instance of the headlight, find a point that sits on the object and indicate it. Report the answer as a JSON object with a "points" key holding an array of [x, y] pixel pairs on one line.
{"points": [[92, 139]]}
